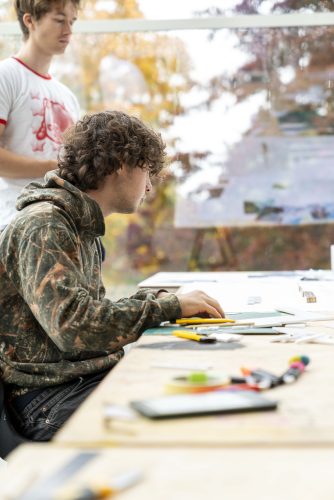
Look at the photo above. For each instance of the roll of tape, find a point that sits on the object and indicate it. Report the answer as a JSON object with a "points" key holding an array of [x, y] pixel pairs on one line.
{"points": [[196, 383]]}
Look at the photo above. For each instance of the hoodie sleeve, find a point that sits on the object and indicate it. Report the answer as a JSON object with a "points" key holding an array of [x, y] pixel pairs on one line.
{"points": [[58, 293]]}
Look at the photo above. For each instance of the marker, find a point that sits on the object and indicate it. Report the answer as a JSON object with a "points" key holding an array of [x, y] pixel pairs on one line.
{"points": [[193, 336], [296, 368], [293, 372], [261, 378], [199, 321]]}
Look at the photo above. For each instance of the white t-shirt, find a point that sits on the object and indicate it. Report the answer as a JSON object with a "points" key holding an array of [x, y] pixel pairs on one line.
{"points": [[35, 109]]}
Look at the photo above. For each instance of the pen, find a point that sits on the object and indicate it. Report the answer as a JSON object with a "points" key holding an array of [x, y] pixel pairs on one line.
{"points": [[95, 492], [198, 321], [193, 336]]}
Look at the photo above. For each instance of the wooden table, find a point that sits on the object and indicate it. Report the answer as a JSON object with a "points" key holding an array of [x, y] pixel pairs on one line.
{"points": [[282, 454], [305, 416], [182, 473]]}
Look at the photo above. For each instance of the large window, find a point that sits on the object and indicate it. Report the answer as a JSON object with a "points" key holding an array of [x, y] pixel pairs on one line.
{"points": [[246, 108]]}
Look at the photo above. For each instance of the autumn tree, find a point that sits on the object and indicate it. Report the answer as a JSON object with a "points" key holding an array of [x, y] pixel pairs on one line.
{"points": [[139, 73], [285, 63], [271, 49]]}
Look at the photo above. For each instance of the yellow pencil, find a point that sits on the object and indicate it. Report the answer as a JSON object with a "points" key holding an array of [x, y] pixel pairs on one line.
{"points": [[199, 321]]}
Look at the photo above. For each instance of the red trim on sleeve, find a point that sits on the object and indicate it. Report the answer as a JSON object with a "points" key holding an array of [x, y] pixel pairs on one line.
{"points": [[46, 77], [3, 122]]}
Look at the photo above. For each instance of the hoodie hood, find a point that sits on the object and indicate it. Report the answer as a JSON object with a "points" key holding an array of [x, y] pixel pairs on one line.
{"points": [[55, 190]]}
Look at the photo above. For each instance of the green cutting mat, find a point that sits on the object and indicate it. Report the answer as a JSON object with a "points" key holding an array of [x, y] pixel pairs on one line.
{"points": [[168, 330]]}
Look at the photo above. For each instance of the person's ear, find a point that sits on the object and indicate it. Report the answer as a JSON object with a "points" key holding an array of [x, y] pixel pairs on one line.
{"points": [[28, 21]]}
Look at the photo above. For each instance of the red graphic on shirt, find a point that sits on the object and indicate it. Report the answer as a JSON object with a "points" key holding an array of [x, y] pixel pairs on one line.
{"points": [[55, 120], [39, 147], [35, 96]]}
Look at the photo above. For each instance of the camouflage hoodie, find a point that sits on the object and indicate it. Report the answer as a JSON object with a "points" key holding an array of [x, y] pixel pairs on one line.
{"points": [[55, 323]]}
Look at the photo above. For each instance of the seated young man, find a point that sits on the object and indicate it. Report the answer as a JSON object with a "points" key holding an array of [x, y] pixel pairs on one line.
{"points": [[59, 335]]}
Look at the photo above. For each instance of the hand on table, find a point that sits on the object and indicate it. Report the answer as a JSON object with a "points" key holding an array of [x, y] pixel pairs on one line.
{"points": [[198, 303]]}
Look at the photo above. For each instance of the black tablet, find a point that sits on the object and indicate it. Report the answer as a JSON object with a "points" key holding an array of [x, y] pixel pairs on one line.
{"points": [[216, 402]]}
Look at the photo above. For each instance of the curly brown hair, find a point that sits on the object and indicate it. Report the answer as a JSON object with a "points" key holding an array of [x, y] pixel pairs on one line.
{"points": [[37, 8], [100, 144]]}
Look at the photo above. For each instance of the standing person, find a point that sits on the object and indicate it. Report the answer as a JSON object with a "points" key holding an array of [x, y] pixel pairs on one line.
{"points": [[59, 335], [35, 109]]}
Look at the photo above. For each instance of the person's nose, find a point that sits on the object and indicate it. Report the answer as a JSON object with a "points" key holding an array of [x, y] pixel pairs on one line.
{"points": [[68, 28]]}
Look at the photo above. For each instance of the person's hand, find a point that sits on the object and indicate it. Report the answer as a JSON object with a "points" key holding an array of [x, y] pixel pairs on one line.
{"points": [[198, 303]]}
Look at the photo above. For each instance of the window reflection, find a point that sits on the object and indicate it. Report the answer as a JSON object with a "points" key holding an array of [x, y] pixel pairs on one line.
{"points": [[248, 118]]}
